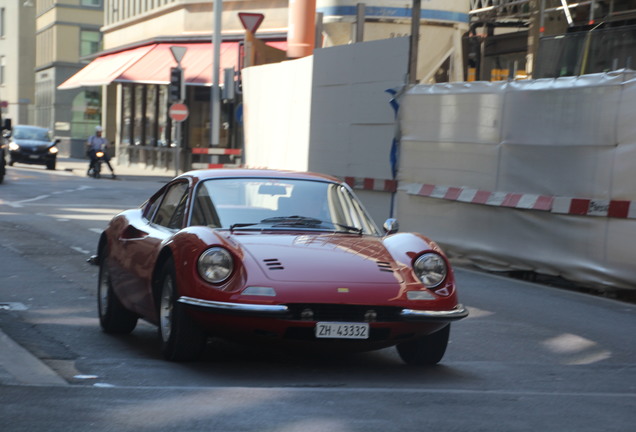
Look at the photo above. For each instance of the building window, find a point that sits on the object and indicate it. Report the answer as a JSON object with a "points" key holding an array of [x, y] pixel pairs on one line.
{"points": [[2, 70], [2, 23], [90, 42], [94, 3]]}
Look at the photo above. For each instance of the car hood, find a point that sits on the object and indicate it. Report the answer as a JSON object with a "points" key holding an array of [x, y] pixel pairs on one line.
{"points": [[321, 258]]}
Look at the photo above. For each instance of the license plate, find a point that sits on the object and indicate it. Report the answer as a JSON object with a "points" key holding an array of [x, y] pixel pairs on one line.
{"points": [[335, 330], [34, 156]]}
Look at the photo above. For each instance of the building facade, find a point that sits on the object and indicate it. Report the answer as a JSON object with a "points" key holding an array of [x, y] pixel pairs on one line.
{"points": [[17, 45], [67, 35], [136, 60]]}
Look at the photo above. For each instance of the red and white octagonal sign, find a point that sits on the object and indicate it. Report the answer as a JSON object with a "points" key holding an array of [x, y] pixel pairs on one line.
{"points": [[178, 112]]}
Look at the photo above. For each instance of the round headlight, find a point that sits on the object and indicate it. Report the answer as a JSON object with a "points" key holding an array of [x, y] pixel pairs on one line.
{"points": [[431, 269], [13, 146], [53, 150], [215, 265]]}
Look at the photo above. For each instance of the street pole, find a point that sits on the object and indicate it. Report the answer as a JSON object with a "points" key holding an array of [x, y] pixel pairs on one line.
{"points": [[215, 103], [416, 13]]}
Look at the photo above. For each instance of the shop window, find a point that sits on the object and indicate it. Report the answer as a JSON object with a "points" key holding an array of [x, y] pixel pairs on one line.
{"points": [[127, 114], [139, 119], [163, 130], [86, 113]]}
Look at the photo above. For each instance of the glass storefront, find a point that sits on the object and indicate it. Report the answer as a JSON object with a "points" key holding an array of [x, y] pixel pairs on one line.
{"points": [[146, 130]]}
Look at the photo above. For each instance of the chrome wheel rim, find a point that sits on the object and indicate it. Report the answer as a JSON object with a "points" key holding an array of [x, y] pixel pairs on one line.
{"points": [[165, 309]]}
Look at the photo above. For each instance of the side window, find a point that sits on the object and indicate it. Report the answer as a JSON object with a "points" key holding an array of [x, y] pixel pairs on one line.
{"points": [[203, 210], [172, 208]]}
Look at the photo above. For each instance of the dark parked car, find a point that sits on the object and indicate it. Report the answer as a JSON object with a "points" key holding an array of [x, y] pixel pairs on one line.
{"points": [[32, 145], [272, 255], [2, 160], [5, 126]]}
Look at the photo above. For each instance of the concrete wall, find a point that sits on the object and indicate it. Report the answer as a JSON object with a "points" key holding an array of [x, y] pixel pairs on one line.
{"points": [[328, 113]]}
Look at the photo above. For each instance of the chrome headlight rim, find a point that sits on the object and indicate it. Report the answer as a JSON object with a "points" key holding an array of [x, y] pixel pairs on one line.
{"points": [[431, 269], [215, 265]]}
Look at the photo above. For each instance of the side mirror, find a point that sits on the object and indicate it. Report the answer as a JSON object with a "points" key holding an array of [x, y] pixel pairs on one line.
{"points": [[391, 226]]}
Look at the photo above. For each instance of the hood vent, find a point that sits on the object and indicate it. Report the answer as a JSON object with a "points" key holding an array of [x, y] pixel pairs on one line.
{"points": [[273, 264], [384, 267]]}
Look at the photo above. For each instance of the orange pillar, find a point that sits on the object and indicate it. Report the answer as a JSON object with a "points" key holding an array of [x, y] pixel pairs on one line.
{"points": [[301, 36]]}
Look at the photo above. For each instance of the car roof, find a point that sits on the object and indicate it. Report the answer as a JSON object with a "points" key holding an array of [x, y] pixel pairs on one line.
{"points": [[258, 173]]}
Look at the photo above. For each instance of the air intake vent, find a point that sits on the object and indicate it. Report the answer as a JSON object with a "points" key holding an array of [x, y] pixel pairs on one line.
{"points": [[273, 264], [385, 267]]}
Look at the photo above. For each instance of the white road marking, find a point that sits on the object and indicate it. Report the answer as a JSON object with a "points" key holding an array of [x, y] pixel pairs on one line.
{"points": [[19, 204], [80, 250]]}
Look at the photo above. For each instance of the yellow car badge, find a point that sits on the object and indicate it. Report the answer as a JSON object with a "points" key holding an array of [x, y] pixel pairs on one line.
{"points": [[343, 290]]}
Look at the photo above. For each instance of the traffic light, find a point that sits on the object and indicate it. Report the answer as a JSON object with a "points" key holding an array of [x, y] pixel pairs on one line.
{"points": [[176, 83]]}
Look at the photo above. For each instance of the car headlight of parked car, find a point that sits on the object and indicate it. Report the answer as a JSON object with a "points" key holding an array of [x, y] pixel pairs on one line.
{"points": [[14, 147], [431, 269], [215, 265], [53, 150]]}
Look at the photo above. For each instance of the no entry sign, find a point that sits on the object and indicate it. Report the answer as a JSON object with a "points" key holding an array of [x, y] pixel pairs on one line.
{"points": [[178, 112]]}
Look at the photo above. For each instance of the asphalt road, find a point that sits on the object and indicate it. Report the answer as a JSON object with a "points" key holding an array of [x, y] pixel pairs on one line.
{"points": [[529, 357]]}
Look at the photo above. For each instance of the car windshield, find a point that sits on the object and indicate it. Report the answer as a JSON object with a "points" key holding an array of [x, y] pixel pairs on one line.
{"points": [[257, 204], [31, 133]]}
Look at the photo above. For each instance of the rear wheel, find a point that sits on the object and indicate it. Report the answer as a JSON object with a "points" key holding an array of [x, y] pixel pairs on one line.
{"points": [[181, 338], [114, 318], [427, 350]]}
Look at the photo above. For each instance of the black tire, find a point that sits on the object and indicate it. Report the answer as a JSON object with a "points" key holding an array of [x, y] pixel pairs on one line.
{"points": [[427, 350], [50, 165], [114, 318], [181, 338]]}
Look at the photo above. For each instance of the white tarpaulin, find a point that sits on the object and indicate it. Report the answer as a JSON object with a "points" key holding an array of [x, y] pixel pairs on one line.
{"points": [[526, 175]]}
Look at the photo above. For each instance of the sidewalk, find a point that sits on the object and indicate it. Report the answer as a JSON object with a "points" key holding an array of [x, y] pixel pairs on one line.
{"points": [[123, 172]]}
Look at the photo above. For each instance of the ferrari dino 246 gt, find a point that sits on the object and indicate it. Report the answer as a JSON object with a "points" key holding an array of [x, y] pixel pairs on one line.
{"points": [[273, 255]]}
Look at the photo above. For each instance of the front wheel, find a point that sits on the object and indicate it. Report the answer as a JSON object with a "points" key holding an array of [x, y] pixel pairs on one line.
{"points": [[114, 318], [181, 338], [427, 350]]}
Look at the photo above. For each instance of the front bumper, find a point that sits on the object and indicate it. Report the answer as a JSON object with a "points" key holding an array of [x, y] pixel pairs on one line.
{"points": [[32, 157], [282, 311]]}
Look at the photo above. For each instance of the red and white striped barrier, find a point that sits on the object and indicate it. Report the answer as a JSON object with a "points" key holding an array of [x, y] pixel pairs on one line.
{"points": [[372, 184], [201, 166], [560, 205], [216, 151]]}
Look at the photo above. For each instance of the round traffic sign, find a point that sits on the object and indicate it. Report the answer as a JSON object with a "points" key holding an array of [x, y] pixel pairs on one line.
{"points": [[178, 112]]}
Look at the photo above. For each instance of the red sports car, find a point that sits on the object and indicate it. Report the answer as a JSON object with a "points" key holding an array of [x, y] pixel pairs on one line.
{"points": [[272, 255]]}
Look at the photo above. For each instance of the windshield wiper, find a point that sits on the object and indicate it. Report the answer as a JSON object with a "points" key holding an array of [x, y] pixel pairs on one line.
{"points": [[297, 221], [307, 221], [243, 225], [292, 220]]}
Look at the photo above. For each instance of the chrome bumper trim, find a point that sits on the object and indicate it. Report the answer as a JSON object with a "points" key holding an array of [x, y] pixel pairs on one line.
{"points": [[235, 307], [457, 313]]}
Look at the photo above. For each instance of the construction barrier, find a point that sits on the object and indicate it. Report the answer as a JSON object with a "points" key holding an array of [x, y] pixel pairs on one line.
{"points": [[533, 175]]}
